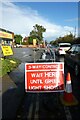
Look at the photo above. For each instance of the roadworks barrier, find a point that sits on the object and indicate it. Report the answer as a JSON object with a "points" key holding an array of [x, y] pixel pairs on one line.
{"points": [[67, 98]]}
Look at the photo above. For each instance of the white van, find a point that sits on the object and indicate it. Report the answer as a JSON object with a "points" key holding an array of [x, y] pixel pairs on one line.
{"points": [[63, 47]]}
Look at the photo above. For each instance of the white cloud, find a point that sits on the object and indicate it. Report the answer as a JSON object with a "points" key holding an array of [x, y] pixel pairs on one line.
{"points": [[21, 21], [73, 19]]}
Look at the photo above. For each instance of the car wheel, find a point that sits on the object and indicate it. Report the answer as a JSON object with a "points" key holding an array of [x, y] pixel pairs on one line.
{"points": [[76, 70]]}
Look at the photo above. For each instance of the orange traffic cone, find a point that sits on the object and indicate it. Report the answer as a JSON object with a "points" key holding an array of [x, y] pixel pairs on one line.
{"points": [[68, 92], [68, 98]]}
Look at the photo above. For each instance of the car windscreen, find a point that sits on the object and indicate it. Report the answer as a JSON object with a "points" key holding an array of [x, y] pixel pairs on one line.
{"points": [[64, 45], [77, 49]]}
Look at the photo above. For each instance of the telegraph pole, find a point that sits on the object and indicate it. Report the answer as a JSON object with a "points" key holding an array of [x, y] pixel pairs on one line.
{"points": [[75, 32]]}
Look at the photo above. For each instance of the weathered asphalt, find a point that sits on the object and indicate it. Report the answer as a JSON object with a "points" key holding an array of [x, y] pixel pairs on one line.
{"points": [[13, 89], [16, 104], [12, 94]]}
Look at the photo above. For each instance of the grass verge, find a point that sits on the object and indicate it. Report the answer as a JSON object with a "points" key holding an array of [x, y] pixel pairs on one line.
{"points": [[7, 65]]}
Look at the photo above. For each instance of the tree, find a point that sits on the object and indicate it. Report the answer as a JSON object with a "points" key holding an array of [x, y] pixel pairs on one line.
{"points": [[18, 39], [67, 38], [37, 32], [77, 40], [31, 40]]}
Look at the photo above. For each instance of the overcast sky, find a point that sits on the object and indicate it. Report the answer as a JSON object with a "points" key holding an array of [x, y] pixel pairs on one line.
{"points": [[59, 18]]}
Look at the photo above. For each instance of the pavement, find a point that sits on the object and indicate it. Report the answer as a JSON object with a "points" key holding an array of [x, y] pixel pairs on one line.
{"points": [[12, 93]]}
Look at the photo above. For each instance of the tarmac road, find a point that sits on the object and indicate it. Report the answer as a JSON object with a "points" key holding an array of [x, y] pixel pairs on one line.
{"points": [[49, 105], [41, 106], [27, 54], [20, 105]]}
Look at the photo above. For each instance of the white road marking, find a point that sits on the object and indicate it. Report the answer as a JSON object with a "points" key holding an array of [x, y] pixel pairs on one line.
{"points": [[24, 52], [26, 56], [67, 112], [30, 111], [37, 108]]}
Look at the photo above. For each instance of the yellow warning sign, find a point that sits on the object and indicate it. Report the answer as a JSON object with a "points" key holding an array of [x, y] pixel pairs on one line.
{"points": [[34, 42], [7, 50]]}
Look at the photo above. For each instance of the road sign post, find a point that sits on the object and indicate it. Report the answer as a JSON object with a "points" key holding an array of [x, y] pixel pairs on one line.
{"points": [[34, 45], [34, 55]]}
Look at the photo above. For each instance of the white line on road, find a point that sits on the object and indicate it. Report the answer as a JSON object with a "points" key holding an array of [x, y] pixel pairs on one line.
{"points": [[26, 56], [37, 108], [67, 112], [30, 111]]}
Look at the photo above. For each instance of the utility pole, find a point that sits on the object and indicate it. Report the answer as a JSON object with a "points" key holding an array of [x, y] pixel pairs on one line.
{"points": [[75, 32]]}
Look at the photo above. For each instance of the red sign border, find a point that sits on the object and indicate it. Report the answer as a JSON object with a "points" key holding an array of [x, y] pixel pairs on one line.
{"points": [[35, 91]]}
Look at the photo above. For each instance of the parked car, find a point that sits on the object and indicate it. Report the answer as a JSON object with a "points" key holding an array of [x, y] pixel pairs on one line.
{"points": [[53, 48], [72, 58], [62, 47]]}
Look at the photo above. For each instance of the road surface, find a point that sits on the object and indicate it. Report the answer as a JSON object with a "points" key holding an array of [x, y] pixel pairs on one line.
{"points": [[40, 106]]}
